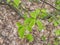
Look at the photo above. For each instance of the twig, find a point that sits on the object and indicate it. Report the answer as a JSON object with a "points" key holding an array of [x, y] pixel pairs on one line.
{"points": [[50, 5], [15, 9]]}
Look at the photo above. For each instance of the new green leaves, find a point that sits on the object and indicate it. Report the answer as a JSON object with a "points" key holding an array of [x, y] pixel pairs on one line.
{"points": [[43, 38], [21, 30], [57, 32], [28, 25], [55, 23], [39, 12], [8, 1], [29, 37], [40, 25], [27, 21], [17, 2], [56, 41], [18, 24], [32, 23], [35, 13], [43, 13], [57, 4]]}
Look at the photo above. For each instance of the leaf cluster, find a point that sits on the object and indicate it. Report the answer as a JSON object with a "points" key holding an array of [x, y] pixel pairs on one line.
{"points": [[25, 29]]}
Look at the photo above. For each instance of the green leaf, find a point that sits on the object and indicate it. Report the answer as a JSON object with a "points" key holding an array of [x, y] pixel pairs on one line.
{"points": [[58, 7], [55, 23], [43, 38], [32, 23], [21, 32], [48, 44], [50, 19], [27, 21], [8, 1], [25, 15], [29, 37], [43, 13], [28, 28], [18, 24], [40, 25], [43, 10], [56, 42], [17, 2], [35, 13], [57, 32], [57, 4]]}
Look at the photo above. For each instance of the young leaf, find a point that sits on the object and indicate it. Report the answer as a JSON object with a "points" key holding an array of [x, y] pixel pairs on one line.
{"points": [[32, 23], [48, 44], [57, 32], [18, 24], [40, 25], [55, 23], [58, 4], [28, 28], [43, 14], [56, 43], [43, 10], [35, 13], [30, 37], [8, 1], [21, 32], [43, 38], [16, 2], [25, 15], [27, 21]]}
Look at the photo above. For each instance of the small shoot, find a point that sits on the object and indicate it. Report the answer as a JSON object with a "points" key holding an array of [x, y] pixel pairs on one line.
{"points": [[57, 32], [30, 37], [40, 25]]}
